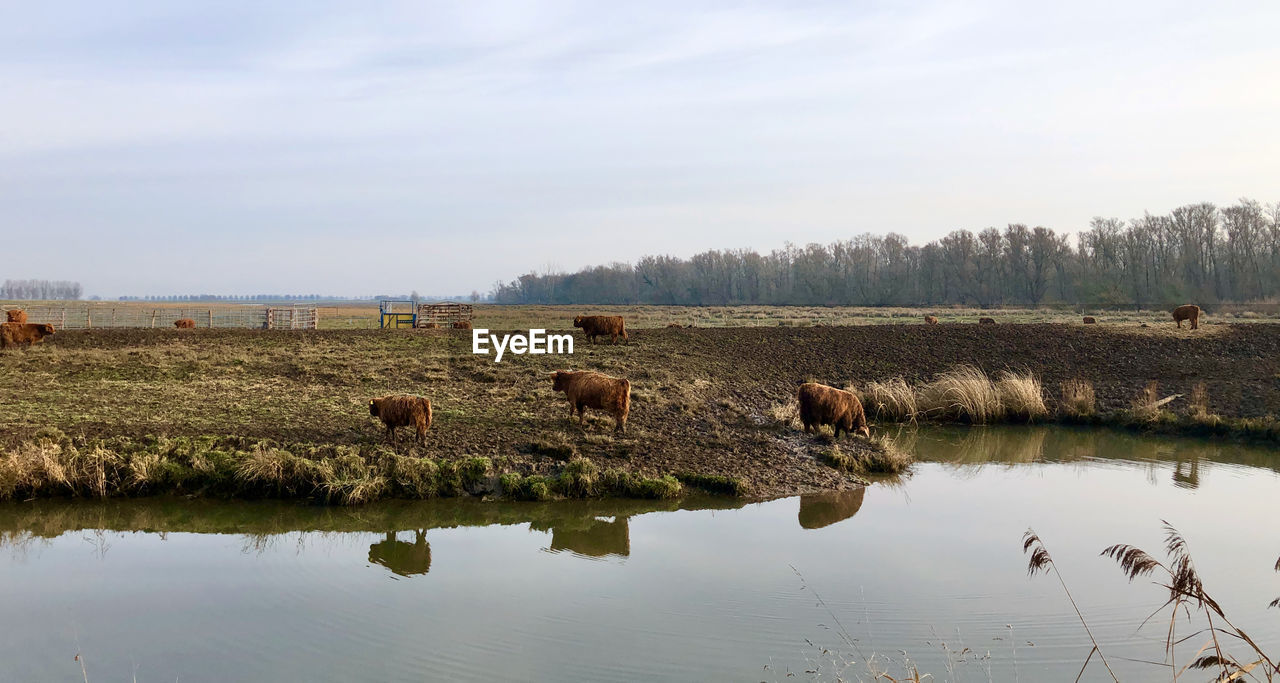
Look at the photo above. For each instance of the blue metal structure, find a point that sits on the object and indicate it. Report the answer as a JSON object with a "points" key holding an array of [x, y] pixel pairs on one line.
{"points": [[390, 316]]}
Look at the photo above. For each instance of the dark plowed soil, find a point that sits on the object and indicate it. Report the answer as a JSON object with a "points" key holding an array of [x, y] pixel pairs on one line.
{"points": [[704, 400]]}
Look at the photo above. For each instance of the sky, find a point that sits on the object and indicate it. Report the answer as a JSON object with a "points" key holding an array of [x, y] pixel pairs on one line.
{"points": [[356, 148]]}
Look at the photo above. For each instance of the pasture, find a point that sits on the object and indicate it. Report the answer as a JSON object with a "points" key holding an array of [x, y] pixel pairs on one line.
{"points": [[708, 404]]}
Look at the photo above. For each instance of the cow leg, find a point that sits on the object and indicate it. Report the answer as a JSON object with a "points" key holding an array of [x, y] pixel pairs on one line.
{"points": [[613, 339], [582, 415]]}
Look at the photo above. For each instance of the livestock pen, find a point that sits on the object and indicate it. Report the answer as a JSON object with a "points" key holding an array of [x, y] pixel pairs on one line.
{"points": [[90, 315]]}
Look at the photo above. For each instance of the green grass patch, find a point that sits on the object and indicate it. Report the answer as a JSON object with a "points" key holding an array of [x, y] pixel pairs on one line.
{"points": [[714, 483]]}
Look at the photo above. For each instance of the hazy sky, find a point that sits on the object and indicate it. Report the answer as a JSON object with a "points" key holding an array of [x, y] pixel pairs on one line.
{"points": [[357, 148]]}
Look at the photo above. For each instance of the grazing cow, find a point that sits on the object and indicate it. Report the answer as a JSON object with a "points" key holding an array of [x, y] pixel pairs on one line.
{"points": [[675, 325], [824, 405], [1089, 320], [402, 411], [184, 324], [930, 320], [16, 315], [1187, 312], [462, 325], [23, 334], [599, 325], [586, 389], [429, 326], [986, 321]]}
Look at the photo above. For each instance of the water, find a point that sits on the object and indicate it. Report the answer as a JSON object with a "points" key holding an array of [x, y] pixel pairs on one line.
{"points": [[627, 590]]}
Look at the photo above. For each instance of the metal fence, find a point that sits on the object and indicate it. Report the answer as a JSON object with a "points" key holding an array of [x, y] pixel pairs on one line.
{"points": [[443, 315], [76, 316]]}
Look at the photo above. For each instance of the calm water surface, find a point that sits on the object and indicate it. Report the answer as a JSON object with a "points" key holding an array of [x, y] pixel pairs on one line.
{"points": [[928, 569]]}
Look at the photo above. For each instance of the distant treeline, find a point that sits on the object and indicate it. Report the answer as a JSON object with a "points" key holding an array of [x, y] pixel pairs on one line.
{"points": [[1199, 252], [40, 289]]}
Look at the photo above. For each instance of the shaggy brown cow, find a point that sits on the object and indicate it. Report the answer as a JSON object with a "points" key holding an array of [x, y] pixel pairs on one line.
{"points": [[599, 325], [824, 405], [675, 325], [1187, 312], [462, 325], [23, 334], [586, 389], [930, 320], [1088, 320], [184, 324], [986, 321], [402, 411], [16, 315]]}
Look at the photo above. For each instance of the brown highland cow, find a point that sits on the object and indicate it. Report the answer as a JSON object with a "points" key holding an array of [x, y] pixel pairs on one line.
{"points": [[1187, 312], [824, 405], [184, 324], [986, 321], [16, 315], [1089, 320], [599, 325], [930, 320], [586, 389], [402, 411], [23, 334], [462, 325]]}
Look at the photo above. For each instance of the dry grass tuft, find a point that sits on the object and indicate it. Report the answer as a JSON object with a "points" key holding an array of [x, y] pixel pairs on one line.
{"points": [[891, 401], [964, 393], [786, 413], [881, 457], [1022, 396], [1148, 406], [1198, 406], [1077, 399], [885, 457]]}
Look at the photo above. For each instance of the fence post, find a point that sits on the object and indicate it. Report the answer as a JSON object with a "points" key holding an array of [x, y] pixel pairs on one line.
{"points": [[210, 318], [88, 318]]}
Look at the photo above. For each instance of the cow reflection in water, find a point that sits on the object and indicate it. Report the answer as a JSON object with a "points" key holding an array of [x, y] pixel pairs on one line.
{"points": [[401, 557], [593, 538], [824, 509]]}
